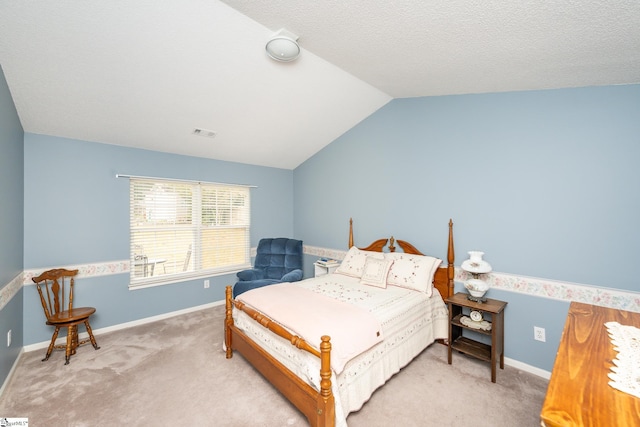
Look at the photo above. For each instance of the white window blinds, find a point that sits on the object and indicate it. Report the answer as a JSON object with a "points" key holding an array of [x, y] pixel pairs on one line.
{"points": [[183, 229]]}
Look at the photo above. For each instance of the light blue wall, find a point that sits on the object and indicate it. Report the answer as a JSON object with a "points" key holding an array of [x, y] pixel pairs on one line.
{"points": [[546, 183], [11, 225], [77, 212]]}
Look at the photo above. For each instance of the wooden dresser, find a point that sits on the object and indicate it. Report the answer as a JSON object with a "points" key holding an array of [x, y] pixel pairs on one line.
{"points": [[578, 392]]}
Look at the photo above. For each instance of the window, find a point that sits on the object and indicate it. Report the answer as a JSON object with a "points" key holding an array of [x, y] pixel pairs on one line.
{"points": [[184, 229]]}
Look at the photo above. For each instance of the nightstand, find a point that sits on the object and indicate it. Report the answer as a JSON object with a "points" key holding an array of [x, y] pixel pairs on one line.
{"points": [[322, 269], [460, 306]]}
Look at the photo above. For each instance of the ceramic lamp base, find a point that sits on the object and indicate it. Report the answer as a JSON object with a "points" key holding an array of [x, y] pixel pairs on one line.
{"points": [[476, 299]]}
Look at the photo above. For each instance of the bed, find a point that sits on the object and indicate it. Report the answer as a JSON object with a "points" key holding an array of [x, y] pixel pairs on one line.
{"points": [[327, 384]]}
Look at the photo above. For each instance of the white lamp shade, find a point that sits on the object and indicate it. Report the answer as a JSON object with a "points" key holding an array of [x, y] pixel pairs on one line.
{"points": [[283, 46], [475, 264]]}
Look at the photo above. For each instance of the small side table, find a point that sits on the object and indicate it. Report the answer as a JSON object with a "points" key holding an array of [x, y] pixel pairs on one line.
{"points": [[474, 348], [322, 269]]}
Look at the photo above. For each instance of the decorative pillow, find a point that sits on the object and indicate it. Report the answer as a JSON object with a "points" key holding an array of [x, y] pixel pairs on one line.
{"points": [[375, 272], [353, 263], [412, 271]]}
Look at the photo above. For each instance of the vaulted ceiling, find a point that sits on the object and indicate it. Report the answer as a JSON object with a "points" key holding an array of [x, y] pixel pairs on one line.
{"points": [[146, 73]]}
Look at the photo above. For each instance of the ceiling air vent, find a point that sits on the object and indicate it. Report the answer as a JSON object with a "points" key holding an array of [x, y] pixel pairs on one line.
{"points": [[204, 132]]}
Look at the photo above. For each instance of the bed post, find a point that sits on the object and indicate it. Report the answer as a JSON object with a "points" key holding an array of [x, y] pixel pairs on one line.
{"points": [[228, 321], [450, 259], [325, 410], [350, 232]]}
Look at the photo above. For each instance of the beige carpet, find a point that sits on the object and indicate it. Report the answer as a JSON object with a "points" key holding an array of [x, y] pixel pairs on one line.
{"points": [[173, 372]]}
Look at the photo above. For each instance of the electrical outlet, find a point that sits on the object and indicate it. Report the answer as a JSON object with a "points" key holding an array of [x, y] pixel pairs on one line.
{"points": [[206, 284], [9, 338], [538, 334]]}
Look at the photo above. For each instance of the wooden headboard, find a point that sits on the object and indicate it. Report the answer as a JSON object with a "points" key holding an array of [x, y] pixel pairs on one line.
{"points": [[443, 279]]}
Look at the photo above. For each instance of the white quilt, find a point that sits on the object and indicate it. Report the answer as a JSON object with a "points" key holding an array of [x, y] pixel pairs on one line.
{"points": [[410, 322], [310, 315]]}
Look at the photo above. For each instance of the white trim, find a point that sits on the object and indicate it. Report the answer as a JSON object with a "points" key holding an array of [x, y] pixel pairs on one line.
{"points": [[527, 368], [508, 361], [11, 372], [120, 326]]}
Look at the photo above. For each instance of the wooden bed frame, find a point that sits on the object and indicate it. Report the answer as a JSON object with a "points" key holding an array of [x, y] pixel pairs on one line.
{"points": [[317, 406]]}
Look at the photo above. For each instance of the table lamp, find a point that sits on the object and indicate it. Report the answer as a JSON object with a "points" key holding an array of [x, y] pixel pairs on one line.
{"points": [[476, 266]]}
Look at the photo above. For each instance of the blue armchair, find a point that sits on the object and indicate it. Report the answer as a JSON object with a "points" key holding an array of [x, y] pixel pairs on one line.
{"points": [[277, 260]]}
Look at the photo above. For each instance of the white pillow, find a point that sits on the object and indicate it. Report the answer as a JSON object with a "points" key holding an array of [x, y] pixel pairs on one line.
{"points": [[375, 272], [412, 271], [353, 263]]}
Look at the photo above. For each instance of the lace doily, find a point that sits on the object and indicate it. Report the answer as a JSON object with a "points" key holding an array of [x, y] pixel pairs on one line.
{"points": [[625, 375], [484, 325]]}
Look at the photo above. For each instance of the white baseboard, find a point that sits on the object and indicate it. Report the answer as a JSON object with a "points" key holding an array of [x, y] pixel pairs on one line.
{"points": [[13, 368], [37, 346], [527, 368], [120, 326], [84, 335]]}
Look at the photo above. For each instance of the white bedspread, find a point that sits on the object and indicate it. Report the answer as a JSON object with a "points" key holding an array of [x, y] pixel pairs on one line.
{"points": [[311, 315], [410, 322]]}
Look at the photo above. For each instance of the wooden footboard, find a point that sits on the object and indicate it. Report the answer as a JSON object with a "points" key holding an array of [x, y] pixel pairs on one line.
{"points": [[317, 406]]}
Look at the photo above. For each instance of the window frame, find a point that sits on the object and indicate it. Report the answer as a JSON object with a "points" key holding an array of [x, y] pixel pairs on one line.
{"points": [[217, 210]]}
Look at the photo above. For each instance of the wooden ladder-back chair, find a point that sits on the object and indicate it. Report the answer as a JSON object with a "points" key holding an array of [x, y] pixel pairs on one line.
{"points": [[56, 295]]}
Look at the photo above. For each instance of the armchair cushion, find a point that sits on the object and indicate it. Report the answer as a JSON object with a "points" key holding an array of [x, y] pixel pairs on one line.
{"points": [[292, 276], [241, 287], [277, 260], [250, 274]]}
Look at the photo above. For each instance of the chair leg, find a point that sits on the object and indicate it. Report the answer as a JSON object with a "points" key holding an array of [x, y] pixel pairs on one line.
{"points": [[69, 349], [91, 337], [53, 340], [75, 340]]}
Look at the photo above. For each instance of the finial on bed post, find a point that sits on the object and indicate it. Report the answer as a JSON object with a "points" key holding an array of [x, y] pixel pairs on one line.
{"points": [[350, 232], [391, 247]]}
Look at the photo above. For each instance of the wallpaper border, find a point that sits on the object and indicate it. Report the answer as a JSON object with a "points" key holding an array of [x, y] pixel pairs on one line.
{"points": [[543, 288], [84, 270], [11, 290]]}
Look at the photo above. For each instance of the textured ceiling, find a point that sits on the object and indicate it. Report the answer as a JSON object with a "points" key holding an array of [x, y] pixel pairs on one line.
{"points": [[438, 47], [145, 73]]}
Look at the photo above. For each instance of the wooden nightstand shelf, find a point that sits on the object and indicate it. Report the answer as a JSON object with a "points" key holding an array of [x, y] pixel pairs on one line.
{"points": [[474, 348]]}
